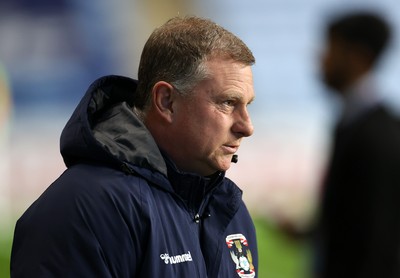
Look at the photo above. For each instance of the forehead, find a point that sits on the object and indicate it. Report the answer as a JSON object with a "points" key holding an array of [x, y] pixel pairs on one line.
{"points": [[230, 77]]}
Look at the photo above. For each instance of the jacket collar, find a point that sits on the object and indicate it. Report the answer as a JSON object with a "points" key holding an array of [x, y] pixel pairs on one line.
{"points": [[190, 187]]}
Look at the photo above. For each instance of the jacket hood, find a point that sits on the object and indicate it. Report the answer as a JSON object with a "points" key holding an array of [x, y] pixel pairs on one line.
{"points": [[104, 129]]}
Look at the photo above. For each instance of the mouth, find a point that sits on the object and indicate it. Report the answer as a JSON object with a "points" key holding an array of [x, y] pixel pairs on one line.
{"points": [[231, 149]]}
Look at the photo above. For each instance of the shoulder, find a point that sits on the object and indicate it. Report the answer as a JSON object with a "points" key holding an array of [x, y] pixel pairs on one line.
{"points": [[380, 118], [84, 182], [88, 192], [380, 126], [372, 142], [88, 212], [375, 128], [92, 197]]}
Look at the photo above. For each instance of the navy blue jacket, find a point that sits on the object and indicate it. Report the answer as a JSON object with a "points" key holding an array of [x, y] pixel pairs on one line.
{"points": [[122, 209]]}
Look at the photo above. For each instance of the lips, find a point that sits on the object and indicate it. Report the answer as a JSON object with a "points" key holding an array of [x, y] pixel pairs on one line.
{"points": [[231, 149]]}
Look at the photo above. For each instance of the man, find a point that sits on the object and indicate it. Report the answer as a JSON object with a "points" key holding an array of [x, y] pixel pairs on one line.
{"points": [[145, 194], [359, 228]]}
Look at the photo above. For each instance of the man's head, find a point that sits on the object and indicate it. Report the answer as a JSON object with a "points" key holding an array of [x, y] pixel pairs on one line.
{"points": [[354, 45], [176, 52], [195, 83]]}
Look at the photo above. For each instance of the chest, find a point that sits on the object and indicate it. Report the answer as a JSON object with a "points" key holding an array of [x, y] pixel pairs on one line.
{"points": [[176, 244]]}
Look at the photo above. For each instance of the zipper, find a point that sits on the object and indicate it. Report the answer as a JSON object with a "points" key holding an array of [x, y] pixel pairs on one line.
{"points": [[201, 214]]}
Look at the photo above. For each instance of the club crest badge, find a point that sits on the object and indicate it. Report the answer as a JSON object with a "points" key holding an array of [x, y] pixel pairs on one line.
{"points": [[241, 255]]}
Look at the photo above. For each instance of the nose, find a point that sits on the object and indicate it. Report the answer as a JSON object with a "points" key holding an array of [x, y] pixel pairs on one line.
{"points": [[243, 124]]}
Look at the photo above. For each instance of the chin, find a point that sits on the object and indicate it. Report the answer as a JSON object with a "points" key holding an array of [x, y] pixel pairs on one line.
{"points": [[225, 166], [221, 165]]}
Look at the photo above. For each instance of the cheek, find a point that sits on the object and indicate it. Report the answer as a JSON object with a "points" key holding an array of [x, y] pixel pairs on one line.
{"points": [[188, 132], [327, 63], [202, 127], [204, 119], [204, 136]]}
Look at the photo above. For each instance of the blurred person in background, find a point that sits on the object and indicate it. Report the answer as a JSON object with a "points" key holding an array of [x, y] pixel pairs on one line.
{"points": [[358, 231], [145, 192], [5, 119], [5, 107]]}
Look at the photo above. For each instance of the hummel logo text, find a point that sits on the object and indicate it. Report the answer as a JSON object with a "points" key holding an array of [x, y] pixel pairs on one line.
{"points": [[186, 257]]}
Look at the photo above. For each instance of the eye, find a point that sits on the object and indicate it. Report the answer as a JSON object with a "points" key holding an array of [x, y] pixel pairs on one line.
{"points": [[226, 105], [229, 102]]}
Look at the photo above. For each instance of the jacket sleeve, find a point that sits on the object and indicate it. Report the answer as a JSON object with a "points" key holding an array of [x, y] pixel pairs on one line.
{"points": [[80, 227]]}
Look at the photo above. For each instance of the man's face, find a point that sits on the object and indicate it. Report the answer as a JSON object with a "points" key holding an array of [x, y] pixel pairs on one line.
{"points": [[208, 126], [336, 64]]}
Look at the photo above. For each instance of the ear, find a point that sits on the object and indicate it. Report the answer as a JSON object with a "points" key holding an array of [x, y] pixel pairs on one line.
{"points": [[162, 97]]}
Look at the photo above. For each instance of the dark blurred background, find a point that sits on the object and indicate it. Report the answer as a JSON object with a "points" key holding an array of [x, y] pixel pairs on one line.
{"points": [[51, 50]]}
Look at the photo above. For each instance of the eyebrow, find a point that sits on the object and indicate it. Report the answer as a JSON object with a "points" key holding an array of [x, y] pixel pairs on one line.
{"points": [[238, 96], [252, 99]]}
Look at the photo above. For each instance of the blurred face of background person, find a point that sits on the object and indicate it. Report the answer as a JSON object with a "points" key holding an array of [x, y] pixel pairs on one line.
{"points": [[343, 63], [336, 64], [353, 46], [208, 125]]}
